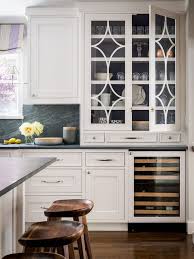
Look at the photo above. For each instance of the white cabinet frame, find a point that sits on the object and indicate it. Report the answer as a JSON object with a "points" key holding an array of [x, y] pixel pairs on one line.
{"points": [[153, 11]]}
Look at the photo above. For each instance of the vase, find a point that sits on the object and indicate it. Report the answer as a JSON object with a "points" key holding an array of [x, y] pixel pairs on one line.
{"points": [[29, 140]]}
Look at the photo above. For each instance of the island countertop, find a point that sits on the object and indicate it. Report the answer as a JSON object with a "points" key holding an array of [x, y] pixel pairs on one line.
{"points": [[14, 171]]}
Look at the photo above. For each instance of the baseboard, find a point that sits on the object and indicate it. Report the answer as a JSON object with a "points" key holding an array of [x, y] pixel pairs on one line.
{"points": [[108, 226], [190, 227]]}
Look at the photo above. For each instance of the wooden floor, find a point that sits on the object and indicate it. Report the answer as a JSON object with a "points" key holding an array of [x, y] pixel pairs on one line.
{"points": [[121, 245]]}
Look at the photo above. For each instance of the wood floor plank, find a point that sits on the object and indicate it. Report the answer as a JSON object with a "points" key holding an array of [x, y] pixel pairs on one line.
{"points": [[124, 245]]}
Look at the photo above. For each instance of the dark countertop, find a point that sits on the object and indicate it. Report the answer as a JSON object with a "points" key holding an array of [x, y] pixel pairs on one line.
{"points": [[15, 171], [77, 146]]}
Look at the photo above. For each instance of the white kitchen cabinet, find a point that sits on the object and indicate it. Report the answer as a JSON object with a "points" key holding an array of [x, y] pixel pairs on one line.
{"points": [[105, 187], [132, 86], [53, 58]]}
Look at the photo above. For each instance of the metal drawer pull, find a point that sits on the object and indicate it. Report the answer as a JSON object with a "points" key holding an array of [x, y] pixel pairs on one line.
{"points": [[43, 181], [132, 138], [105, 160], [44, 208]]}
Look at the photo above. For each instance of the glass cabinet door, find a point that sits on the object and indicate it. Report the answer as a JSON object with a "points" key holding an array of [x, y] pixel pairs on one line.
{"points": [[108, 80], [163, 47], [158, 183]]}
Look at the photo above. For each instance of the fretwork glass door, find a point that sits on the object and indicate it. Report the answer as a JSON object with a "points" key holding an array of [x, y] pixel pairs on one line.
{"points": [[108, 68], [163, 46]]}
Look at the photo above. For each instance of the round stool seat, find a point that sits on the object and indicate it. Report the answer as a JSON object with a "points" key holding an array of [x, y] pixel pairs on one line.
{"points": [[69, 208], [34, 256], [52, 234]]}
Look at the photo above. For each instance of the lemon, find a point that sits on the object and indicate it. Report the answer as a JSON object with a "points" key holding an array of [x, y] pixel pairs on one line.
{"points": [[6, 142], [12, 140], [18, 141]]}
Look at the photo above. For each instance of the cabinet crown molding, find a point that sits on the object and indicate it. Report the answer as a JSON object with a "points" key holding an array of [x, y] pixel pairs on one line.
{"points": [[52, 11]]}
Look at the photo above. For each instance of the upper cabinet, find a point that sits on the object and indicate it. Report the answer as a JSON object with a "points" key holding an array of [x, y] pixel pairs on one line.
{"points": [[131, 72], [53, 58]]}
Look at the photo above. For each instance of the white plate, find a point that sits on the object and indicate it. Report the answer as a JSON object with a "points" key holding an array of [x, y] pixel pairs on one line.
{"points": [[138, 95]]}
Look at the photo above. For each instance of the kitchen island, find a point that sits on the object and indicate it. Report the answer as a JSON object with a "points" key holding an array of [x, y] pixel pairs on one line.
{"points": [[13, 173]]}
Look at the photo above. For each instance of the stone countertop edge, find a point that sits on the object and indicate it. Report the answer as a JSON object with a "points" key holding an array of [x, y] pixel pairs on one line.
{"points": [[77, 146], [29, 175]]}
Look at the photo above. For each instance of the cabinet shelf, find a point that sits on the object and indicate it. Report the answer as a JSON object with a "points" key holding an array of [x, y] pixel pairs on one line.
{"points": [[115, 36], [158, 212], [157, 194], [157, 169], [161, 82], [99, 59], [140, 82], [140, 36], [163, 59], [157, 177], [156, 203], [140, 108], [158, 36], [153, 161], [100, 108], [140, 59], [103, 82]]}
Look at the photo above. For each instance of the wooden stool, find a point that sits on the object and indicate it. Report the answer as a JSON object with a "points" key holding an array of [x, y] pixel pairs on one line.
{"points": [[74, 208], [34, 256], [50, 236]]}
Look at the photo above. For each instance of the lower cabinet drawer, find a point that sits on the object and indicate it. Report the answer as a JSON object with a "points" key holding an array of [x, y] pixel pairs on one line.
{"points": [[170, 137], [130, 137], [36, 205], [55, 180], [94, 138], [5, 154], [105, 159], [63, 158]]}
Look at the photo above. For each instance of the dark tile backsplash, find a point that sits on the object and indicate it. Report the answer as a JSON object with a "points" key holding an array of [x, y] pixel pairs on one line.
{"points": [[53, 117]]}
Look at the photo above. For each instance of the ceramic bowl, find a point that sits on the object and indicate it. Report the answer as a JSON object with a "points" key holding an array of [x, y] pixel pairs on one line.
{"points": [[102, 76]]}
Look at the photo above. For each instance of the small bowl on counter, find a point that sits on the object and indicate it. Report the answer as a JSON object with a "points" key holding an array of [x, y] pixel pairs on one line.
{"points": [[50, 141]]}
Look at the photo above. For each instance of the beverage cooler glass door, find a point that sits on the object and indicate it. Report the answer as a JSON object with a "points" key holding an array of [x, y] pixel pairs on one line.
{"points": [[164, 60], [159, 187], [107, 76]]}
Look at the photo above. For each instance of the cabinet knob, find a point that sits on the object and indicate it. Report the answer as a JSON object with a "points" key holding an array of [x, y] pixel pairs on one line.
{"points": [[152, 109], [170, 137], [34, 95], [94, 138], [88, 172]]}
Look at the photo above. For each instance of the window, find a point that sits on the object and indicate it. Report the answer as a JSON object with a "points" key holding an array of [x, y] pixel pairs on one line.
{"points": [[10, 85], [11, 44]]}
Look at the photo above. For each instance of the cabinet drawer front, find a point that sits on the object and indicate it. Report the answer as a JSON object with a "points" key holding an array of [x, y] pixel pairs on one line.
{"points": [[5, 154], [94, 138], [170, 137], [55, 180], [105, 159], [63, 159], [37, 204], [130, 137]]}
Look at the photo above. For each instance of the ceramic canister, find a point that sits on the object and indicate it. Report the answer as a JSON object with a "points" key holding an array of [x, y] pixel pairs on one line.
{"points": [[69, 135]]}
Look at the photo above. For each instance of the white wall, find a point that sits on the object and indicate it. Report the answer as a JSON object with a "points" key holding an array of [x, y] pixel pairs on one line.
{"points": [[190, 114]]}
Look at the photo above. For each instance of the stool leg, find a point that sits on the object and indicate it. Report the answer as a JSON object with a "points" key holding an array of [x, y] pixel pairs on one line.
{"points": [[86, 238], [71, 251], [80, 242]]}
